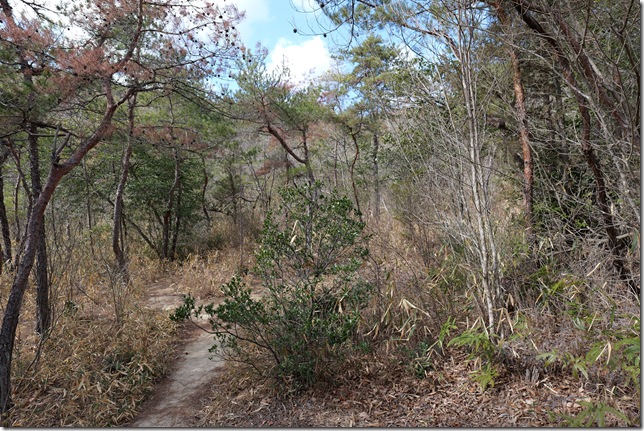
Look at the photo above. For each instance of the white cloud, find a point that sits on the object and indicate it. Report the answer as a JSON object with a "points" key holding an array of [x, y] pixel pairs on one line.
{"points": [[305, 61], [256, 13]]}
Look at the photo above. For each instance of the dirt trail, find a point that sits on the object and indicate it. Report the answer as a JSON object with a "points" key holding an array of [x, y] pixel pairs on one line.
{"points": [[180, 396]]}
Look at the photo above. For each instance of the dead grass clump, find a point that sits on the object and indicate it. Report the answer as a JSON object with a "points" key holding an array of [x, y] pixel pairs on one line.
{"points": [[199, 274], [90, 373], [412, 301], [204, 274], [375, 389], [102, 355]]}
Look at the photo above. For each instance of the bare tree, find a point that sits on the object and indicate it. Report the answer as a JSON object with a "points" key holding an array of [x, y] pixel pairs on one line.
{"points": [[451, 33]]}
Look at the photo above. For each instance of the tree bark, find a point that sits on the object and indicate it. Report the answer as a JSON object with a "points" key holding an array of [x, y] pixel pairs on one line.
{"points": [[88, 205], [354, 138], [19, 285], [26, 261], [117, 229], [4, 221], [204, 188], [170, 205], [177, 222], [43, 307], [522, 123], [376, 177]]}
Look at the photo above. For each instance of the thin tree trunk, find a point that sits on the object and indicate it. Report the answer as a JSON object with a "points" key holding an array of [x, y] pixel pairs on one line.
{"points": [[16, 196], [486, 241], [117, 229], [522, 123], [4, 221], [307, 163], [43, 308], [19, 285], [88, 204], [177, 222], [16, 200], [351, 172], [88, 201], [618, 247], [376, 177], [233, 191], [170, 204], [204, 188], [36, 220]]}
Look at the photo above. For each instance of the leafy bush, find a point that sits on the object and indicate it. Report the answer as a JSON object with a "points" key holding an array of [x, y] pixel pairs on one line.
{"points": [[308, 261]]}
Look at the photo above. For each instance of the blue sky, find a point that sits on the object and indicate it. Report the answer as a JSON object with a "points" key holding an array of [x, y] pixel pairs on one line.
{"points": [[271, 23]]}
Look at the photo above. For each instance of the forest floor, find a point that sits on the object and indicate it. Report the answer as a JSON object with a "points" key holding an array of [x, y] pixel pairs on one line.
{"points": [[370, 390], [373, 393]]}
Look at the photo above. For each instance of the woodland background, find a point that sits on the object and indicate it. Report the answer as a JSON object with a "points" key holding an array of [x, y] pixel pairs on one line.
{"points": [[486, 154]]}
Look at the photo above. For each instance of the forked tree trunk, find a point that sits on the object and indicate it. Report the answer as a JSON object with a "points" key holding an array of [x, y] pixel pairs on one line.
{"points": [[486, 241], [34, 226]]}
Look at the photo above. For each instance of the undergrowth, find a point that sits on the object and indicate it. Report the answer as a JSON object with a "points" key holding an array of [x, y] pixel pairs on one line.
{"points": [[90, 374], [102, 356], [308, 261]]}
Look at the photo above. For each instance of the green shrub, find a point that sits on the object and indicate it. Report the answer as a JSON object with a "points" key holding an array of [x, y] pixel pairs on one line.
{"points": [[593, 414], [483, 351], [615, 350], [308, 261]]}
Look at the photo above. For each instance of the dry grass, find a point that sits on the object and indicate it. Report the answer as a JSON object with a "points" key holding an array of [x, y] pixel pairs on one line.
{"points": [[412, 301], [93, 369], [201, 275], [90, 373], [377, 390]]}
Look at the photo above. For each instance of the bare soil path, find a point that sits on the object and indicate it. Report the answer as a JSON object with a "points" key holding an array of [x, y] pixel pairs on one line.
{"points": [[181, 395]]}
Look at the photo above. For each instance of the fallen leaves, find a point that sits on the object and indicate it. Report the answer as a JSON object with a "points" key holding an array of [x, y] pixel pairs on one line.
{"points": [[390, 396]]}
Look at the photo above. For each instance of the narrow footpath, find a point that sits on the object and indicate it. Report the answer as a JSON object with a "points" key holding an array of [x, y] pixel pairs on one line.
{"points": [[179, 396]]}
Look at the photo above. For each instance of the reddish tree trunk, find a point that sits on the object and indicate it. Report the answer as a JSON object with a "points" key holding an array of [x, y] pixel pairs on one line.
{"points": [[618, 247], [522, 123], [35, 224]]}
